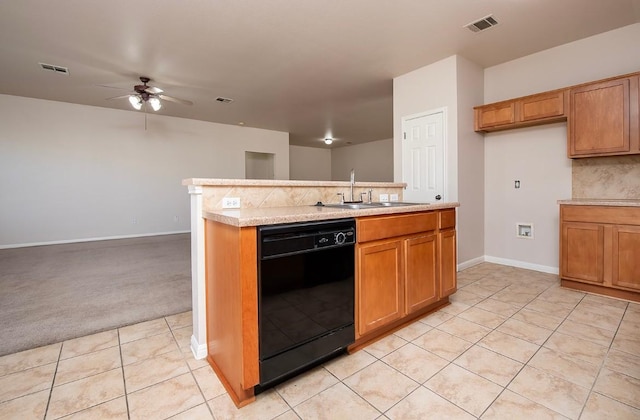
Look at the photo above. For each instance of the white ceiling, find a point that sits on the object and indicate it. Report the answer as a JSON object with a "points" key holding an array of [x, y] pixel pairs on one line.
{"points": [[308, 67]]}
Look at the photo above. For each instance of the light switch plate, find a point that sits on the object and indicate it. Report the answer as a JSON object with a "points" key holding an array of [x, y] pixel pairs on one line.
{"points": [[394, 197]]}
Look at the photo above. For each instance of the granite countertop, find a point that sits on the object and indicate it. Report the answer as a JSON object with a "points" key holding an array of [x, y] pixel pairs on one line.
{"points": [[275, 215], [601, 202], [215, 182]]}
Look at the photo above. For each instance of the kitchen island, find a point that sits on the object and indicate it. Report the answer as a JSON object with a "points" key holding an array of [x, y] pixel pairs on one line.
{"points": [[405, 263]]}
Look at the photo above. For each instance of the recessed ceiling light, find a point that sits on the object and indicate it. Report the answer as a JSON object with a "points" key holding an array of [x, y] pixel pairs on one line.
{"points": [[241, 123], [328, 140], [224, 100]]}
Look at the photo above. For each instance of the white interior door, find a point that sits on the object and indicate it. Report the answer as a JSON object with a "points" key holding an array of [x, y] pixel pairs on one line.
{"points": [[423, 158]]}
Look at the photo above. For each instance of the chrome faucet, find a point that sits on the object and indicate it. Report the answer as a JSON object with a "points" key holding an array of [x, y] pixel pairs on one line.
{"points": [[353, 181]]}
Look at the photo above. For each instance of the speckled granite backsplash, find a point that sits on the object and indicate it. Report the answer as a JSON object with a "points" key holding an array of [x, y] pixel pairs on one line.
{"points": [[606, 177]]}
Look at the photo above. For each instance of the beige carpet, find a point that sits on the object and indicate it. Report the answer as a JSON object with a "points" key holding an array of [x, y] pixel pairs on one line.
{"points": [[57, 292]]}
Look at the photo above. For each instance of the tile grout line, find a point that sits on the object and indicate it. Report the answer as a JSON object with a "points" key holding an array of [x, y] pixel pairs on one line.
{"points": [[46, 410], [604, 361], [124, 381], [504, 388], [184, 358], [525, 364]]}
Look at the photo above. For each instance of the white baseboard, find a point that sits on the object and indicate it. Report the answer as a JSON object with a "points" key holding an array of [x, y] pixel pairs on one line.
{"points": [[104, 238], [199, 350], [470, 263], [522, 264]]}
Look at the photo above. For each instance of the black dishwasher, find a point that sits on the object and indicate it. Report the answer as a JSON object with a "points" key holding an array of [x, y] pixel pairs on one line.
{"points": [[305, 295]]}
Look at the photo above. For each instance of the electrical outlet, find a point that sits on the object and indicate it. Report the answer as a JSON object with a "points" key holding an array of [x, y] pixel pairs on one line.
{"points": [[394, 197], [231, 203], [134, 221], [176, 219], [384, 198]]}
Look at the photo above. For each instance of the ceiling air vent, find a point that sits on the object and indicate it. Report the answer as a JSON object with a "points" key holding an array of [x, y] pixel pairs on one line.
{"points": [[55, 69], [224, 100], [482, 24]]}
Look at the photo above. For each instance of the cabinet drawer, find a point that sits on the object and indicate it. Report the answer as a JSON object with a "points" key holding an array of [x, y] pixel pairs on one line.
{"points": [[601, 214], [447, 219], [374, 228]]}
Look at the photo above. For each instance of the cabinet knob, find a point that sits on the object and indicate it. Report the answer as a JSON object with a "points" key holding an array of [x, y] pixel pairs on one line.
{"points": [[438, 197]]}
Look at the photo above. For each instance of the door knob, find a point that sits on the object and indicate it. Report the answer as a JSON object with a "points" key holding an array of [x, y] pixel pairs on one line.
{"points": [[438, 197]]}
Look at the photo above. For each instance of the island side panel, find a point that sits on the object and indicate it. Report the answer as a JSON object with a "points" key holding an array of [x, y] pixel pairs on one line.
{"points": [[232, 325]]}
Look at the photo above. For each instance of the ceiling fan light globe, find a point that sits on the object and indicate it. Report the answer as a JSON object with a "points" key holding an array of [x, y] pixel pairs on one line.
{"points": [[135, 102], [155, 104]]}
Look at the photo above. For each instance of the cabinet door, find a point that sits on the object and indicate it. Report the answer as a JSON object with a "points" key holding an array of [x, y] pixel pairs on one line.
{"points": [[626, 257], [448, 268], [495, 115], [420, 272], [542, 106], [582, 252], [599, 119], [379, 286]]}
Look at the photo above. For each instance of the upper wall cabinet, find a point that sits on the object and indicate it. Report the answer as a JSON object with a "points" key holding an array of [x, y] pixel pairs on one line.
{"points": [[603, 117], [531, 110], [603, 120]]}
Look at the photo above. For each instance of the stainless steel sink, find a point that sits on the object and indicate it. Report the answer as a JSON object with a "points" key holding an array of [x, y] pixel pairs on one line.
{"points": [[396, 204], [353, 206], [356, 206]]}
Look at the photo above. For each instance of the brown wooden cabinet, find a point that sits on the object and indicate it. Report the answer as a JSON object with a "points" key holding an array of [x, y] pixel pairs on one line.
{"points": [[447, 248], [582, 251], [543, 108], [380, 286], [603, 116], [496, 116], [600, 121], [420, 272], [405, 267], [600, 249], [626, 257]]}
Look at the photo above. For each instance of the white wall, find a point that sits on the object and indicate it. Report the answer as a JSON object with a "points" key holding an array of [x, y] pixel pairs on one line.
{"points": [[470, 145], [372, 161], [537, 155], [428, 88], [309, 163], [456, 84], [598, 57], [72, 172]]}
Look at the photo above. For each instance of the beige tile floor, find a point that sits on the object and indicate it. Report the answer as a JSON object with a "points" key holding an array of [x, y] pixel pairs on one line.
{"points": [[512, 345]]}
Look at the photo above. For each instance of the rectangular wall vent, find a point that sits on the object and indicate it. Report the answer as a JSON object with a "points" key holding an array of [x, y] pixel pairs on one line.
{"points": [[55, 69], [224, 100], [482, 24]]}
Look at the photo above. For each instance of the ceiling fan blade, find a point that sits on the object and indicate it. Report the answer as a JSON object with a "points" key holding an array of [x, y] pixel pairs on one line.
{"points": [[119, 97], [112, 87], [176, 100], [153, 90]]}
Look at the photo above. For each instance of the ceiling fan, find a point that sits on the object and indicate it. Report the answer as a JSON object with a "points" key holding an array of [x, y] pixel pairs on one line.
{"points": [[144, 94]]}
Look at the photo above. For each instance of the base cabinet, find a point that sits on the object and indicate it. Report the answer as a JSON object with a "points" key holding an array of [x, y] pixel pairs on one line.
{"points": [[582, 251], [448, 262], [405, 266], [600, 249], [420, 274], [380, 286], [626, 257]]}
